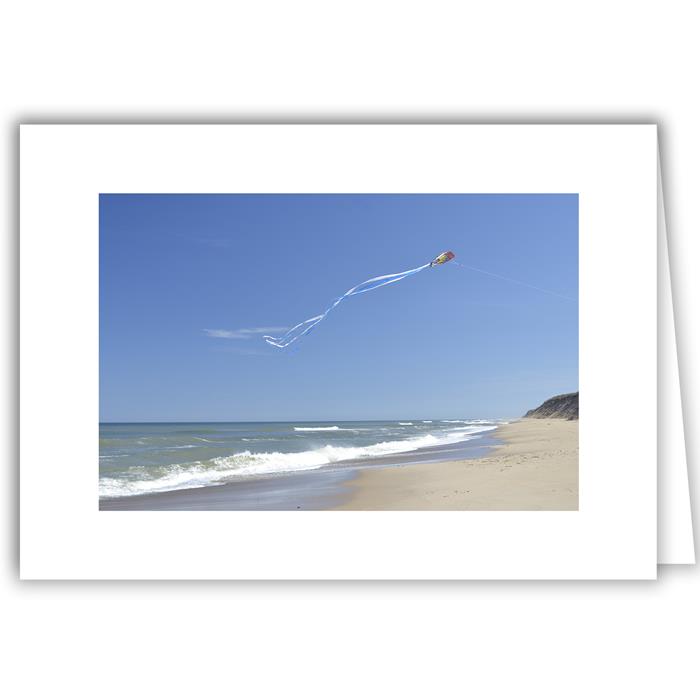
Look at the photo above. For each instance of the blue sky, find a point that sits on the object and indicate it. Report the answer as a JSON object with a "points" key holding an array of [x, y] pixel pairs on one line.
{"points": [[188, 282]]}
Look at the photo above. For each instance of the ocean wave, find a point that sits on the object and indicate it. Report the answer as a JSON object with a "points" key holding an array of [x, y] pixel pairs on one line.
{"points": [[471, 429], [179, 478], [243, 464], [405, 423], [319, 430]]}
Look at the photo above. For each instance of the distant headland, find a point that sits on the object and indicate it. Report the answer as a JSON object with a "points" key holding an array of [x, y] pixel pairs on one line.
{"points": [[562, 406]]}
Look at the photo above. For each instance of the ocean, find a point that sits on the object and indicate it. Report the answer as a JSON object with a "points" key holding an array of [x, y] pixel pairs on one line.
{"points": [[145, 458]]}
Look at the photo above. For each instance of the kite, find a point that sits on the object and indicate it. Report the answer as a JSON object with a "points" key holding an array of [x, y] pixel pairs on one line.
{"points": [[305, 327], [443, 258]]}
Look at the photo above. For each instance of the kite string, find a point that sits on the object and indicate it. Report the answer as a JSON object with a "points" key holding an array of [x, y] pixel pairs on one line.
{"points": [[514, 281]]}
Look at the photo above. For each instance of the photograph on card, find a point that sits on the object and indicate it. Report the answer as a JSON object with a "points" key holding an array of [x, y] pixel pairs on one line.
{"points": [[406, 352]]}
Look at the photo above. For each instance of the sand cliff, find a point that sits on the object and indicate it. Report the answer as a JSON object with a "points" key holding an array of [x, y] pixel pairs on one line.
{"points": [[563, 406]]}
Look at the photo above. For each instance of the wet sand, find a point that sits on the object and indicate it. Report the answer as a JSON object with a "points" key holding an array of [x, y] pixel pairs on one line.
{"points": [[535, 469], [302, 491]]}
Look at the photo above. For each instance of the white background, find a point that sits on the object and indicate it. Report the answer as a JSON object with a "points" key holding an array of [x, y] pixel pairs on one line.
{"points": [[211, 61]]}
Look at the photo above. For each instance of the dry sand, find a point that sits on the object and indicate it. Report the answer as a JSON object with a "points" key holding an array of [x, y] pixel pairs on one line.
{"points": [[535, 469]]}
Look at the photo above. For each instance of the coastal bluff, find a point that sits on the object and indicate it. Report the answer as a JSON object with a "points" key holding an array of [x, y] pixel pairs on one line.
{"points": [[563, 406]]}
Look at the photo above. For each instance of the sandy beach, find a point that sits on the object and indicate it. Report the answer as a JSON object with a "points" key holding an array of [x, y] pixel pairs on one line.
{"points": [[535, 469]]}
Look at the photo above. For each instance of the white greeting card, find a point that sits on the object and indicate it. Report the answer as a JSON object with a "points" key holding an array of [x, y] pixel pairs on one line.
{"points": [[306, 351]]}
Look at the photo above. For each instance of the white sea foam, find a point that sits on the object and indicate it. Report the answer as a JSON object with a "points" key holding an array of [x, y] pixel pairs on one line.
{"points": [[319, 430], [471, 429], [179, 478], [405, 423], [241, 464]]}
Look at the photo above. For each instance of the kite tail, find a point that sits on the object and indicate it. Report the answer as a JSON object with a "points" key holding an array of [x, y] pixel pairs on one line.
{"points": [[305, 327]]}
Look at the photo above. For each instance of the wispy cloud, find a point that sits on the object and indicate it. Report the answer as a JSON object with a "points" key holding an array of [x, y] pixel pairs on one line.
{"points": [[242, 333]]}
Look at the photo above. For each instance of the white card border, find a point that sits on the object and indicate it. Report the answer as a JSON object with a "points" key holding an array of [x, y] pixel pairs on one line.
{"points": [[64, 168]]}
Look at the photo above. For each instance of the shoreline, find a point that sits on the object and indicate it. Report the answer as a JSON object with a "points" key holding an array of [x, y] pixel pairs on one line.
{"points": [[536, 468], [313, 489], [297, 491], [528, 464]]}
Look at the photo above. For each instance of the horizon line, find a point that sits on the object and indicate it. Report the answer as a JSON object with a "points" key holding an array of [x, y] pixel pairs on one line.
{"points": [[328, 420]]}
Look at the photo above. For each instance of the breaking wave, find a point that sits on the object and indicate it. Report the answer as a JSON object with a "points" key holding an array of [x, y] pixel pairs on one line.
{"points": [[141, 479], [319, 430]]}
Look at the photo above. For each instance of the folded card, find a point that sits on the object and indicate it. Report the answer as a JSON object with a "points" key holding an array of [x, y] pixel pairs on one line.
{"points": [[341, 351]]}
